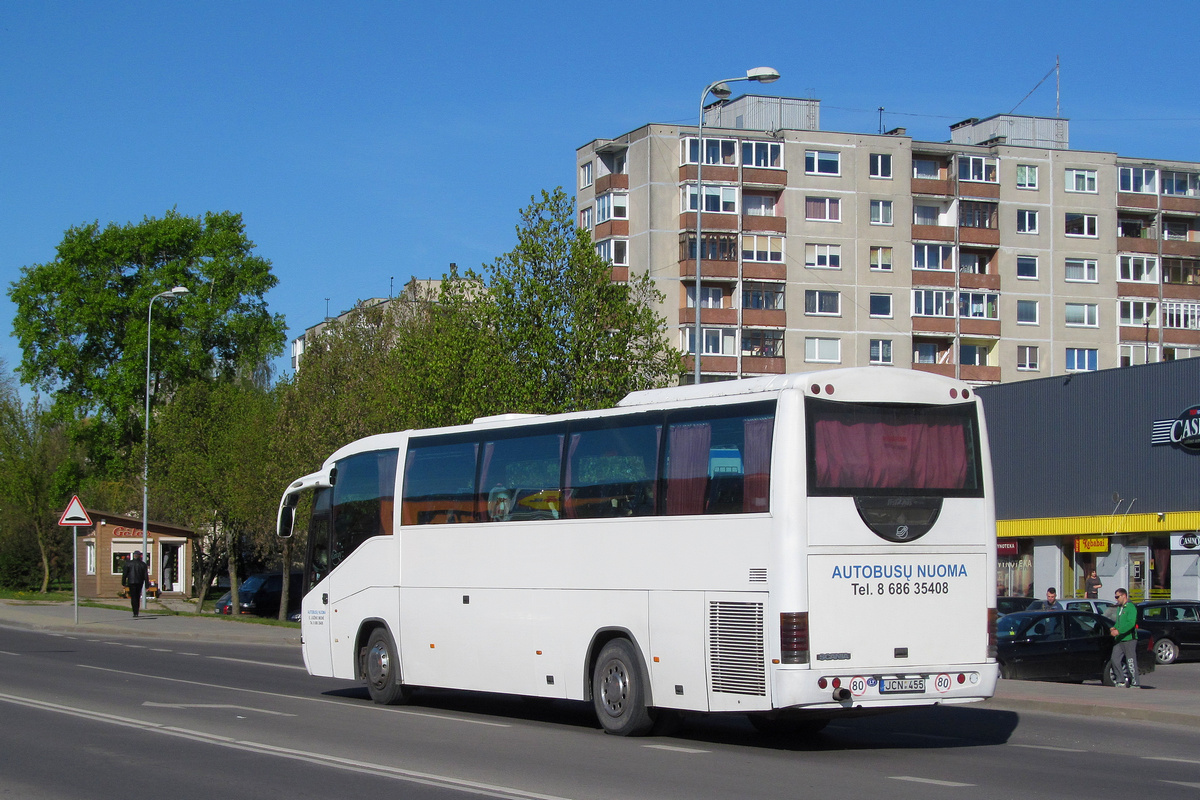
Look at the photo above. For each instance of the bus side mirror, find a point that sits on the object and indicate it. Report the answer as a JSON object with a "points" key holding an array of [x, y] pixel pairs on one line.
{"points": [[287, 516]]}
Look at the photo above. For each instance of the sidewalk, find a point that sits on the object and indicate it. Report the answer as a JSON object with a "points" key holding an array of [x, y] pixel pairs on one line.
{"points": [[1170, 706], [153, 621]]}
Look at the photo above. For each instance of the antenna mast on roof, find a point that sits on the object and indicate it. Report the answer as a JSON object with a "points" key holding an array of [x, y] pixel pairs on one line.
{"points": [[1057, 90]]}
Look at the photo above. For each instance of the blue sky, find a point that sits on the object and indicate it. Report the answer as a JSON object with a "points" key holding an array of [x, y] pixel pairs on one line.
{"points": [[370, 141]]}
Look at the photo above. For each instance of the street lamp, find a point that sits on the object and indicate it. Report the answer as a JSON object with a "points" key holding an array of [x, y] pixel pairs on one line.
{"points": [[178, 291], [719, 88]]}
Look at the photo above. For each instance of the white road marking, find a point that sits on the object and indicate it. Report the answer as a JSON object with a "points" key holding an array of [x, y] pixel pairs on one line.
{"points": [[320, 759], [256, 663], [306, 698], [674, 749], [216, 705], [1048, 747], [160, 650], [928, 780], [5, 652], [1184, 783], [1175, 760]]}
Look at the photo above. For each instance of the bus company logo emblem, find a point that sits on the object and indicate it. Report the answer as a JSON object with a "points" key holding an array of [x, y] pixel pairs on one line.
{"points": [[1182, 432], [901, 531]]}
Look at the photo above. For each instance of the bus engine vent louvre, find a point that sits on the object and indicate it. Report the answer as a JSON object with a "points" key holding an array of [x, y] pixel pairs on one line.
{"points": [[736, 655], [758, 574]]}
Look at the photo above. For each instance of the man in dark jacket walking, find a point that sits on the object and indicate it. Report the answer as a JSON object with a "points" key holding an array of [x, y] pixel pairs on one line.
{"points": [[134, 578]]}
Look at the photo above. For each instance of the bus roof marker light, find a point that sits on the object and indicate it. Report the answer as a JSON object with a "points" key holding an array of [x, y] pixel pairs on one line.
{"points": [[829, 388], [966, 393], [816, 389], [954, 394]]}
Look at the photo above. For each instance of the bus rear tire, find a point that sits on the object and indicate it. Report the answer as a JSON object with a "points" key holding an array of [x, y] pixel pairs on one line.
{"points": [[619, 691], [380, 669]]}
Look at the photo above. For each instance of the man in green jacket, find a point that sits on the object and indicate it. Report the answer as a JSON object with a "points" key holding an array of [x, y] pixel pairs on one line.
{"points": [[1124, 634]]}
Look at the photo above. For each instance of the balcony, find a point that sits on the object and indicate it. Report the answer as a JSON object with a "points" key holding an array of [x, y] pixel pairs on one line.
{"points": [[1188, 205], [620, 275], [611, 181], [755, 223], [979, 327], [757, 176], [1181, 336], [968, 235], [709, 268], [974, 280], [711, 221], [946, 370], [978, 374], [934, 233], [717, 173], [1135, 200], [717, 365], [1131, 289], [1130, 244], [1178, 291], [930, 186], [1171, 247], [933, 324], [933, 277], [725, 317], [764, 317], [758, 270], [990, 191], [612, 227], [763, 365]]}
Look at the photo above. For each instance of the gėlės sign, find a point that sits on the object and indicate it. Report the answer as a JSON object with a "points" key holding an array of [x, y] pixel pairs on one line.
{"points": [[1182, 432]]}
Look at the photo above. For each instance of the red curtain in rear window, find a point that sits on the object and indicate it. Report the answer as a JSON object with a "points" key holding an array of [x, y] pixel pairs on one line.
{"points": [[872, 452]]}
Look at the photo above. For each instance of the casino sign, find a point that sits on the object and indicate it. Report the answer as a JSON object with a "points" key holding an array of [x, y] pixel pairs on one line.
{"points": [[1182, 432]]}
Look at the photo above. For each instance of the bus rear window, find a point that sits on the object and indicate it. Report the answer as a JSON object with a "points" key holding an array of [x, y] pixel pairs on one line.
{"points": [[873, 449]]}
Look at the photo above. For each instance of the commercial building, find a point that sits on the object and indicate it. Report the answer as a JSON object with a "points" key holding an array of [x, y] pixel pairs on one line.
{"points": [[998, 255], [1099, 470], [102, 551]]}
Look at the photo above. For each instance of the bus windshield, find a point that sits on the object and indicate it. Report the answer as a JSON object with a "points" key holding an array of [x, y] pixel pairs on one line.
{"points": [[863, 449]]}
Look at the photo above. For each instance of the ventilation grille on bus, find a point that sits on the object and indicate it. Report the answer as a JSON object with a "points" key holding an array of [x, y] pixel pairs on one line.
{"points": [[758, 574], [735, 648]]}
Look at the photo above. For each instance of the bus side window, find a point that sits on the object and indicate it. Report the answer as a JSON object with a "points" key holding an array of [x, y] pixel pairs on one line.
{"points": [[439, 483], [519, 477], [362, 496], [611, 471], [720, 465]]}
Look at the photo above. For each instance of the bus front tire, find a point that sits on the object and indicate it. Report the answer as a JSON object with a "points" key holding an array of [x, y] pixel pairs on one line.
{"points": [[380, 670], [619, 691]]}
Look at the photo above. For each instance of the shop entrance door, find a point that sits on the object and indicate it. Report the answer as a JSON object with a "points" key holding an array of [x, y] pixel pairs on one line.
{"points": [[170, 568], [1139, 575]]}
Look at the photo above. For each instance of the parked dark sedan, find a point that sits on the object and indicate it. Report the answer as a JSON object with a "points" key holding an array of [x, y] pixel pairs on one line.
{"points": [[1062, 646], [1175, 625], [1007, 604], [260, 595]]}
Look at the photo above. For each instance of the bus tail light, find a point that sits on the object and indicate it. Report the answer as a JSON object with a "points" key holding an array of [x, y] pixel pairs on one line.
{"points": [[992, 616], [793, 637]]}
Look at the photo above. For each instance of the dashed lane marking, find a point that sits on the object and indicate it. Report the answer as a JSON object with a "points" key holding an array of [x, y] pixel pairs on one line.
{"points": [[928, 780]]}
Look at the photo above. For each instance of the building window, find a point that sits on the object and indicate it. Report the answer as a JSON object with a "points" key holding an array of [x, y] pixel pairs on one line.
{"points": [[973, 355], [1080, 270], [925, 353], [763, 295], [716, 151], [757, 247], [1138, 179], [1027, 267], [758, 205], [933, 256], [881, 351], [1026, 221], [614, 251], [1082, 315], [767, 344], [717, 199], [1181, 184], [978, 168], [762, 154], [90, 558], [1027, 358], [716, 246], [823, 351], [972, 214], [585, 175], [972, 263], [926, 169], [717, 341], [1184, 271], [822, 162], [881, 165], [926, 215], [710, 297], [932, 303], [1082, 359], [823, 256], [1139, 269], [822, 208], [585, 218], [1027, 312], [978, 305], [881, 305], [881, 212], [1027, 176], [612, 206], [1182, 316], [881, 259], [1081, 180], [1139, 312], [822, 303], [1082, 225]]}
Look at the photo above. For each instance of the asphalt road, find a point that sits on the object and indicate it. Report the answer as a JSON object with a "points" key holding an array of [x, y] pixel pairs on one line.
{"points": [[107, 717]]}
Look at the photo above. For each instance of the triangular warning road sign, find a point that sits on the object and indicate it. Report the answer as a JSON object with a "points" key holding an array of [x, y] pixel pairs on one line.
{"points": [[75, 515]]}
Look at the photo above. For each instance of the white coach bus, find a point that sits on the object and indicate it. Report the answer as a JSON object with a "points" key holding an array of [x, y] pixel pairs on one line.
{"points": [[794, 548]]}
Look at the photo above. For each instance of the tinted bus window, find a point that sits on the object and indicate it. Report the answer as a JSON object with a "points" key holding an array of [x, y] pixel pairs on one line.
{"points": [[611, 471], [439, 483], [860, 449], [363, 497], [719, 462], [519, 478]]}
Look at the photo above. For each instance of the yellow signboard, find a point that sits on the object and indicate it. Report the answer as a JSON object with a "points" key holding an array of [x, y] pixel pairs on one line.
{"points": [[1091, 544]]}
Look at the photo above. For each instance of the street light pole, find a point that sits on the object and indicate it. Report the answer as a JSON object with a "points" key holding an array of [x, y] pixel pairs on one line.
{"points": [[762, 75], [178, 291]]}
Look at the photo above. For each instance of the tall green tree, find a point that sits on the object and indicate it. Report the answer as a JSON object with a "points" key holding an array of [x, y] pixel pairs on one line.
{"points": [[81, 320]]}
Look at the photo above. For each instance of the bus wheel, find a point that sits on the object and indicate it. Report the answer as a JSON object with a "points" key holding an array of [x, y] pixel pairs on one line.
{"points": [[380, 669], [619, 691]]}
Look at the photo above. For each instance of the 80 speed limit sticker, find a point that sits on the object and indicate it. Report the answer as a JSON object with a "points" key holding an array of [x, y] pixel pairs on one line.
{"points": [[942, 683]]}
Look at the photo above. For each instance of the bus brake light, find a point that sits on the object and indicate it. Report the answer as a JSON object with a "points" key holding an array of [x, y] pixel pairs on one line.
{"points": [[793, 637]]}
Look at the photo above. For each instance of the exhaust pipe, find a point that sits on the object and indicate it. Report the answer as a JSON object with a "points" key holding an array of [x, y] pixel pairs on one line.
{"points": [[841, 695]]}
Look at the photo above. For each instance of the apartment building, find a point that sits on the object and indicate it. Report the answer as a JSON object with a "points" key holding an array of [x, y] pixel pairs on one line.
{"points": [[998, 255]]}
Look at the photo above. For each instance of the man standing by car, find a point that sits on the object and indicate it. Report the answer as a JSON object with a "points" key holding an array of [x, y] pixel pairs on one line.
{"points": [[1050, 604], [133, 578], [1124, 632]]}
